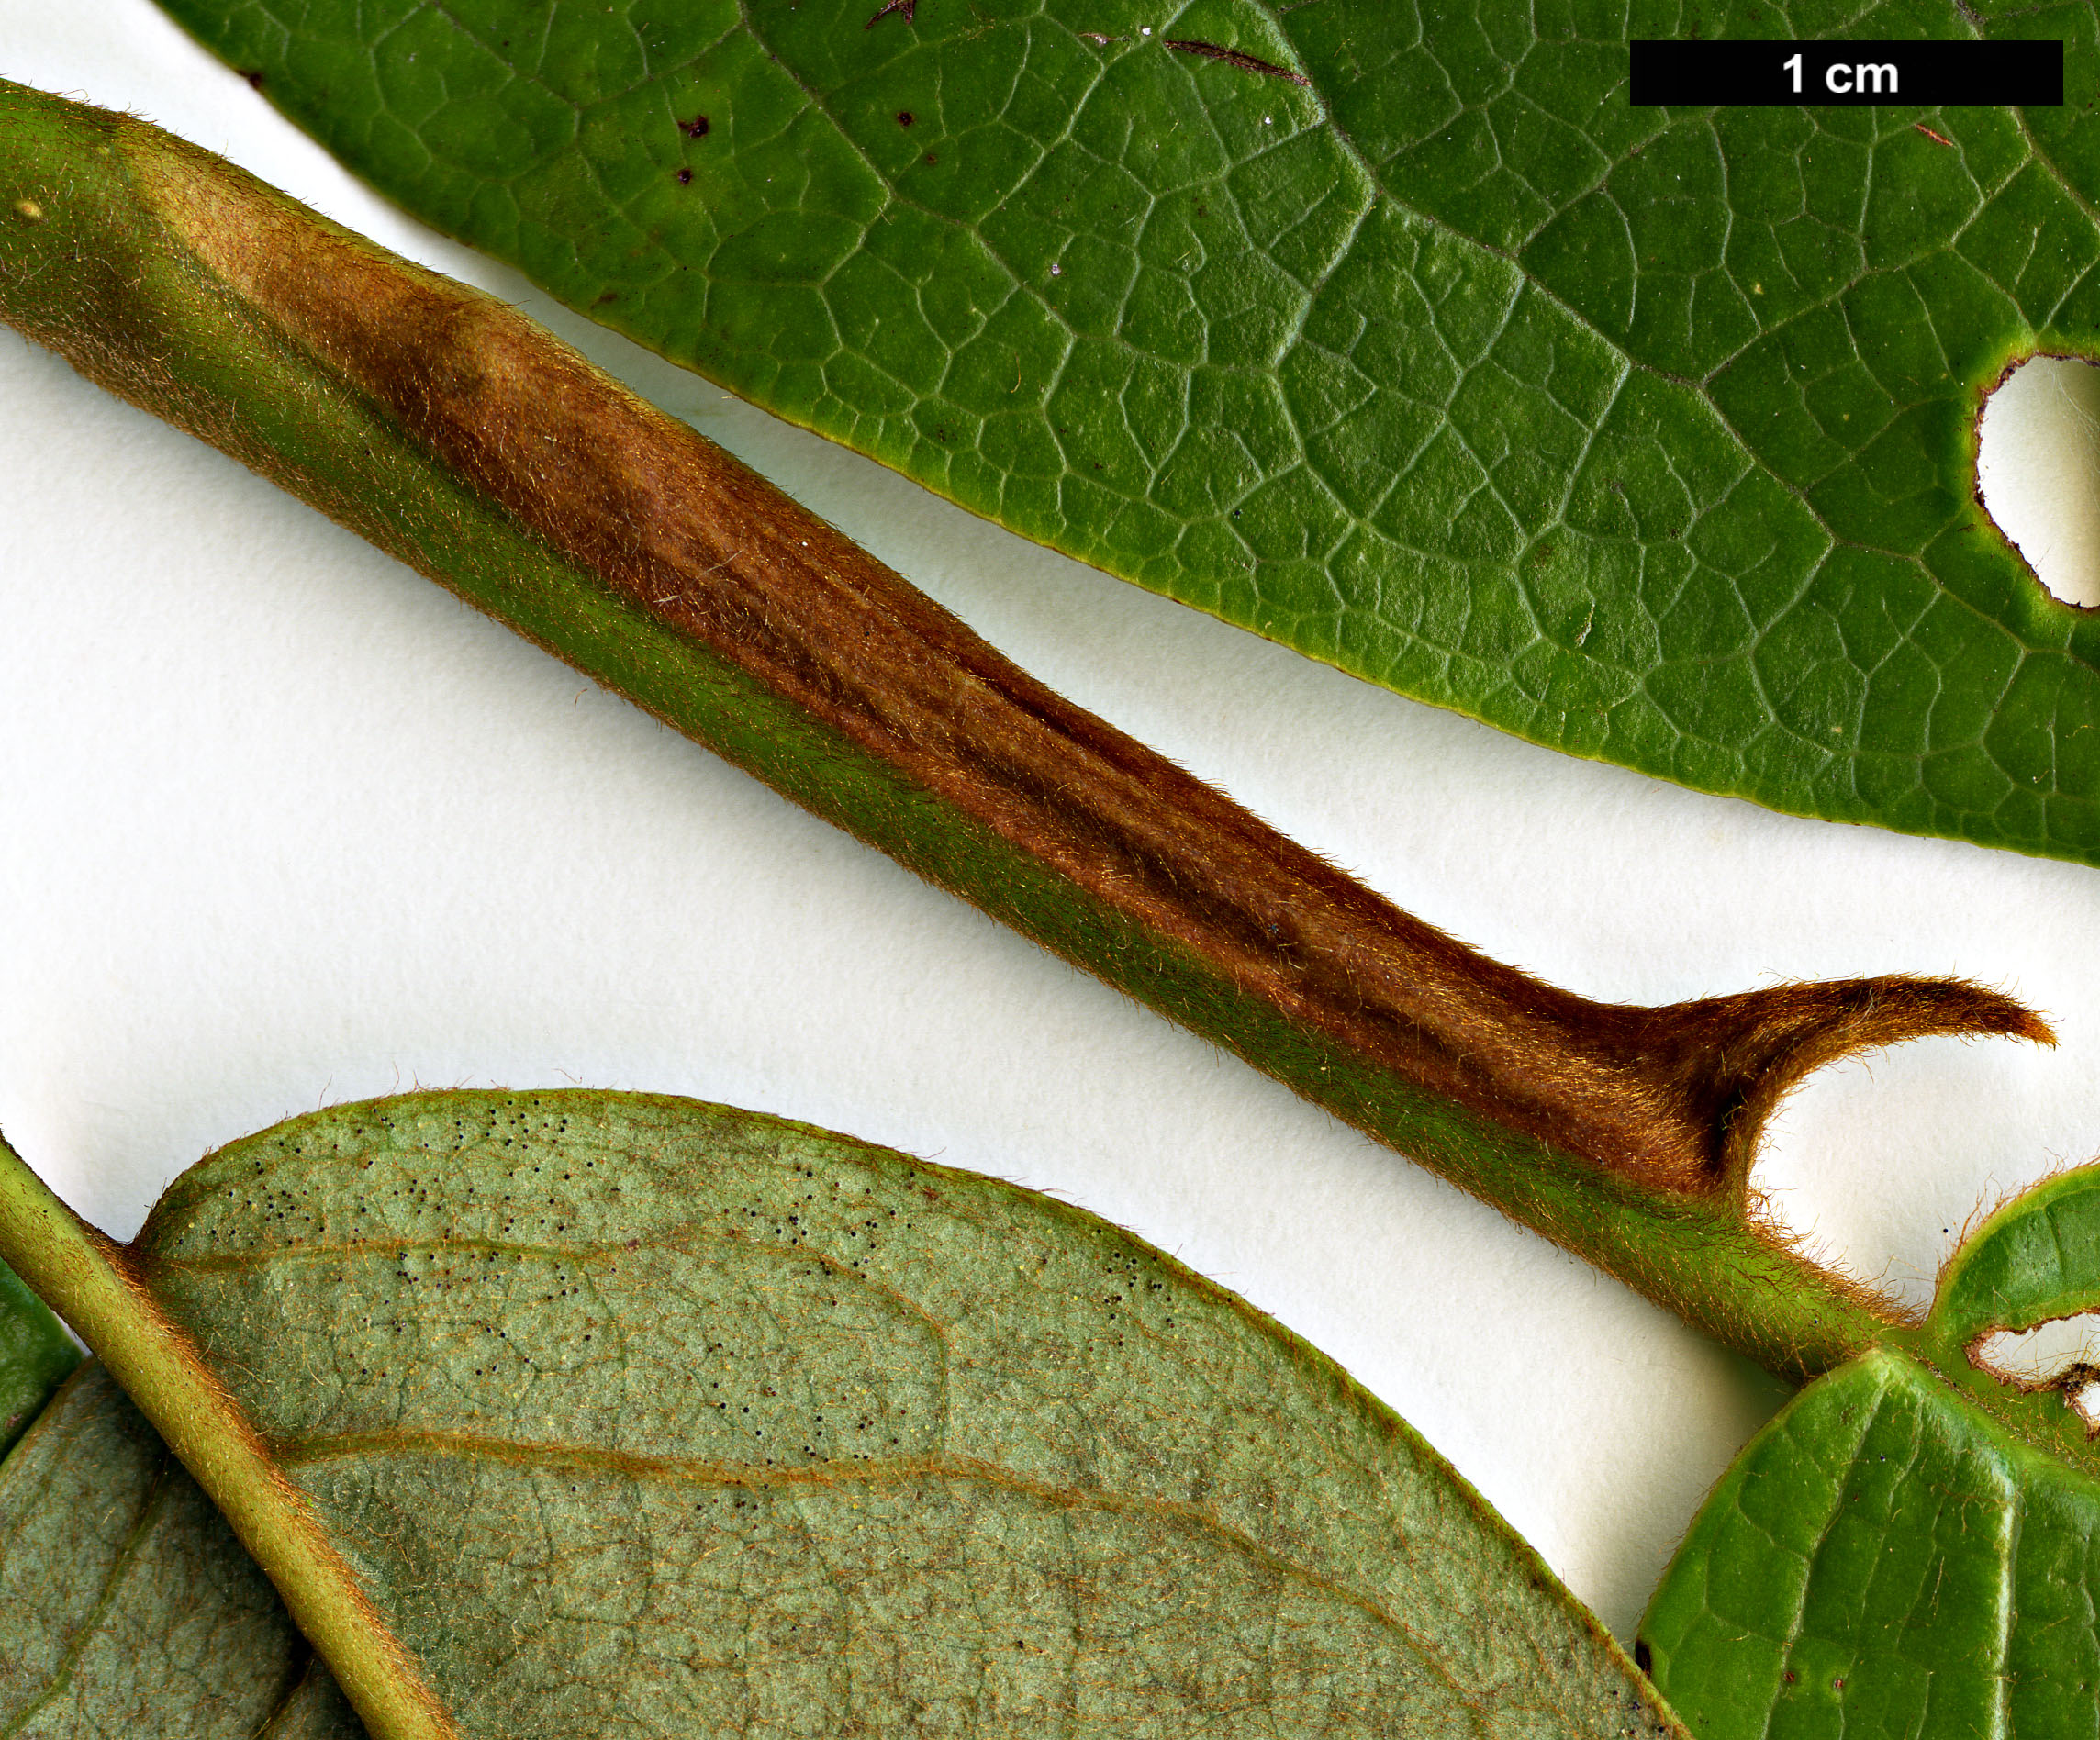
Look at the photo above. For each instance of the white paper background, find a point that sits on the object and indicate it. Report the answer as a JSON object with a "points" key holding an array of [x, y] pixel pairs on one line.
{"points": [[282, 825]]}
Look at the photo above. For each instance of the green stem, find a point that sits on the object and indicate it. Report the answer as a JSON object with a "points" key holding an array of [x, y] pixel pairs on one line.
{"points": [[450, 431], [84, 1277]]}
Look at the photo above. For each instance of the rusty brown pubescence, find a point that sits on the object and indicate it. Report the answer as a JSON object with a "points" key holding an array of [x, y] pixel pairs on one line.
{"points": [[1671, 1098]]}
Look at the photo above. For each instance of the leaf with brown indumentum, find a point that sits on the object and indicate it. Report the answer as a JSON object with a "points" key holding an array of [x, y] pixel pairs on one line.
{"points": [[1718, 1067], [603, 1412], [409, 1509], [1672, 1098], [452, 432]]}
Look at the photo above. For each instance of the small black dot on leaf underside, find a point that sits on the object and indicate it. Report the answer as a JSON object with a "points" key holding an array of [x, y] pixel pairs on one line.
{"points": [[1643, 1658], [695, 129], [684, 178], [931, 158], [905, 118], [254, 80]]}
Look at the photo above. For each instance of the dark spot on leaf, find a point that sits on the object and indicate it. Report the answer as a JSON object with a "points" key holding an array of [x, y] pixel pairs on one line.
{"points": [[254, 80], [685, 177], [1643, 1658], [1233, 57], [905, 118], [931, 158], [695, 129], [610, 295], [907, 7]]}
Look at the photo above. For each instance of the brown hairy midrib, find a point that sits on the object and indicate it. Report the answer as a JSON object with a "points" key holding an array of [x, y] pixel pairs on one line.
{"points": [[825, 625], [1670, 1098]]}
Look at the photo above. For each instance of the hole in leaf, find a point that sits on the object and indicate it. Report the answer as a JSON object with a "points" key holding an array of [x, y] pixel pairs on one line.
{"points": [[2040, 1355], [2038, 465], [2083, 1400], [2063, 1356]]}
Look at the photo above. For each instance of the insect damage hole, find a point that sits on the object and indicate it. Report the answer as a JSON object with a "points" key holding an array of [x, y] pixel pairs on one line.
{"points": [[2063, 1354], [2082, 1396], [2038, 472]]}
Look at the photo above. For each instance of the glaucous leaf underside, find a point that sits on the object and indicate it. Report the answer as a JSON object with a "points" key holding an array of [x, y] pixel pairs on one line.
{"points": [[1393, 332], [36, 1355], [641, 1416], [126, 1606], [1888, 1558], [130, 1608]]}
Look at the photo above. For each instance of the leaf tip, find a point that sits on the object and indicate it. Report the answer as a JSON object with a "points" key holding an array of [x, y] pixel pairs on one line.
{"points": [[1751, 1050]]}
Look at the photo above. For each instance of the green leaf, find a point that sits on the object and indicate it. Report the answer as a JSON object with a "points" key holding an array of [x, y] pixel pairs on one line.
{"points": [[2036, 1259], [130, 1608], [1645, 433], [637, 1411], [36, 1354], [1908, 1548]]}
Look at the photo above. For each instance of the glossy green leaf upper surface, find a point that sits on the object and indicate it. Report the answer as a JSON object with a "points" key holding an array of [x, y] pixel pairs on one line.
{"points": [[1881, 1561], [126, 1607], [1905, 1551], [644, 1417], [1646, 433], [2035, 1259]]}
